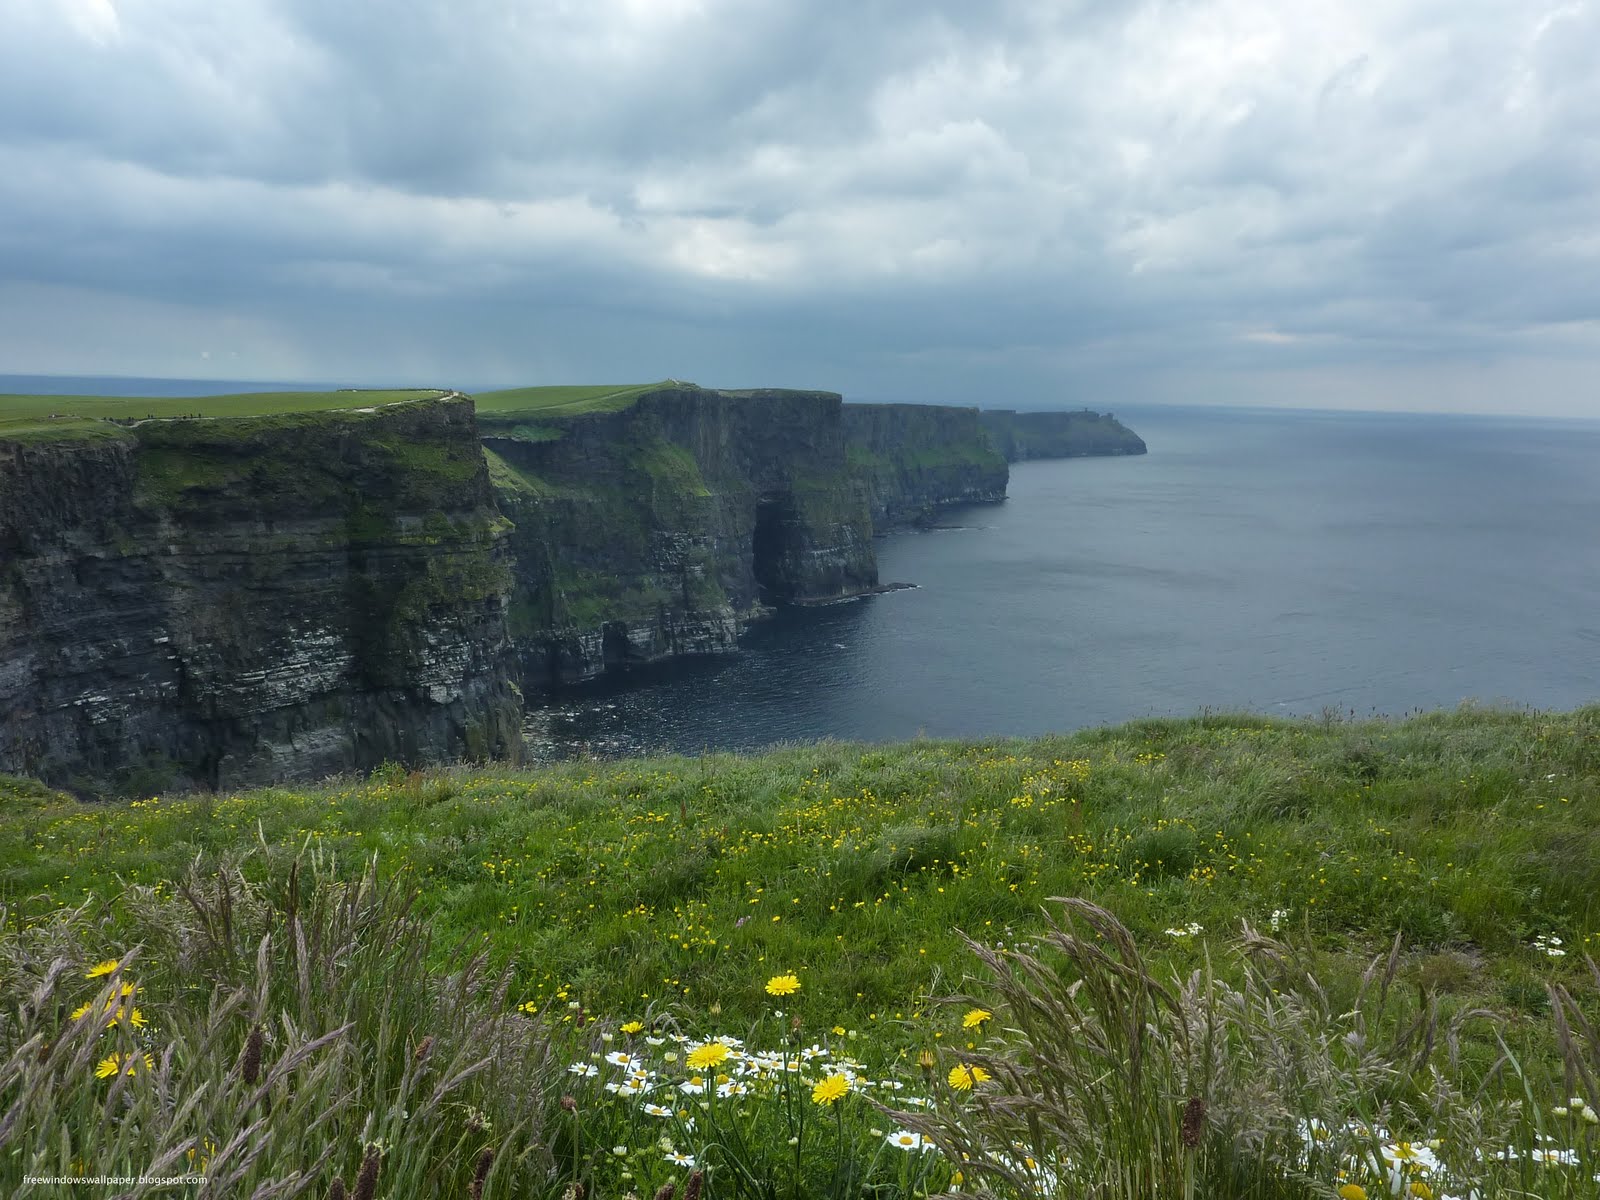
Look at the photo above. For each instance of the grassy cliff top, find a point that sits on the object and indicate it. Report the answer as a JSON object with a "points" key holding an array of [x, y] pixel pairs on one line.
{"points": [[34, 409], [565, 399], [28, 417]]}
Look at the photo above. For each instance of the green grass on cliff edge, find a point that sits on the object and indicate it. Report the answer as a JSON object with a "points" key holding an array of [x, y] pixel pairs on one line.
{"points": [[244, 404], [559, 401], [1474, 835], [30, 418]]}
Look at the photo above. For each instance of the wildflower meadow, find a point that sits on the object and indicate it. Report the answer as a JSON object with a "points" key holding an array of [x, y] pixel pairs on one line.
{"points": [[1220, 957]]}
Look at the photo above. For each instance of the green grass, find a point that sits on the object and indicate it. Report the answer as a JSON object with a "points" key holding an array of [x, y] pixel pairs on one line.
{"points": [[667, 890], [63, 418], [1469, 834], [31, 411], [29, 429], [564, 400]]}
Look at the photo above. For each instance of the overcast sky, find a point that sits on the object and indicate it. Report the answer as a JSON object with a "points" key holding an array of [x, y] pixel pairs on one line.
{"points": [[1348, 203]]}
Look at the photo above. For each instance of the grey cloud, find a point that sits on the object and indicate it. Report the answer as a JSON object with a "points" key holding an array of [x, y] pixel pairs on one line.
{"points": [[941, 194]]}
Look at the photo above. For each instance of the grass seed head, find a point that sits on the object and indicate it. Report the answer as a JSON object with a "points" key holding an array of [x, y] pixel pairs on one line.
{"points": [[485, 1161], [252, 1057], [367, 1181], [1194, 1122]]}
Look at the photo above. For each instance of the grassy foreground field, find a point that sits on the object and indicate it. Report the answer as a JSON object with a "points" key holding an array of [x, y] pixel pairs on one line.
{"points": [[1241, 873]]}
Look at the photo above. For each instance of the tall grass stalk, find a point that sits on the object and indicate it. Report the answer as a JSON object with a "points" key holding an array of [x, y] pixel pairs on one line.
{"points": [[276, 1048], [1107, 1082]]}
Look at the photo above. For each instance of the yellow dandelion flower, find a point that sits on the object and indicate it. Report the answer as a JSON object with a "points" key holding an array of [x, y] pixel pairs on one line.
{"points": [[975, 1018], [783, 985], [102, 968], [1352, 1191], [705, 1056], [119, 1064], [633, 1027], [830, 1089], [964, 1075], [113, 1013]]}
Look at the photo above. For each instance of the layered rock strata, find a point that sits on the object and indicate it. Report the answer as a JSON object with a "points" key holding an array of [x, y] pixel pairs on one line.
{"points": [[662, 529], [225, 602], [916, 459]]}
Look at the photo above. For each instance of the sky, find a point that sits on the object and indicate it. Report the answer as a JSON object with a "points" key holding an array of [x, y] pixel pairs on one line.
{"points": [[1370, 204]]}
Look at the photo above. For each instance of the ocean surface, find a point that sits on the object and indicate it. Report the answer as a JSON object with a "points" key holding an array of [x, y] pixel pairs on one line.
{"points": [[1277, 562]]}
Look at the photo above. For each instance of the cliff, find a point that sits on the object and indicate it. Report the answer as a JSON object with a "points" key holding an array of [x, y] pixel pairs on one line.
{"points": [[236, 599], [1024, 435], [232, 601], [917, 458], [660, 524]]}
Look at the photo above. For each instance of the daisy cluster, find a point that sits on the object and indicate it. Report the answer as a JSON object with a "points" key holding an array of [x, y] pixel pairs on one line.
{"points": [[672, 1077], [1385, 1166], [673, 1100]]}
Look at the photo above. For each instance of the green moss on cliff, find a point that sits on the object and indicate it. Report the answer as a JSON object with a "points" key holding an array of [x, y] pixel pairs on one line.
{"points": [[305, 462], [671, 467], [511, 481], [447, 582], [588, 599]]}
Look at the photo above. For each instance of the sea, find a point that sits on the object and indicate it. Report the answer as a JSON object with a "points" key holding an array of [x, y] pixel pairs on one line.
{"points": [[1280, 562]]}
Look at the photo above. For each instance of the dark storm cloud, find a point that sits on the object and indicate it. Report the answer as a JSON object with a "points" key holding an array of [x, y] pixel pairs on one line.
{"points": [[932, 198]]}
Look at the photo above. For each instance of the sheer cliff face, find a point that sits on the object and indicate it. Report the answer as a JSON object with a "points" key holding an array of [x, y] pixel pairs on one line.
{"points": [[225, 602], [659, 530], [1024, 435], [918, 458]]}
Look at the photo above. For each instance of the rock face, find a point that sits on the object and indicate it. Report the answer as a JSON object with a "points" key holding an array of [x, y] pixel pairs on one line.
{"points": [[918, 458], [1024, 435], [662, 529], [236, 601]]}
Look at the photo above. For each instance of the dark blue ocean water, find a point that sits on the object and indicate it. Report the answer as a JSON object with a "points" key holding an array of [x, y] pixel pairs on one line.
{"points": [[1282, 562]]}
